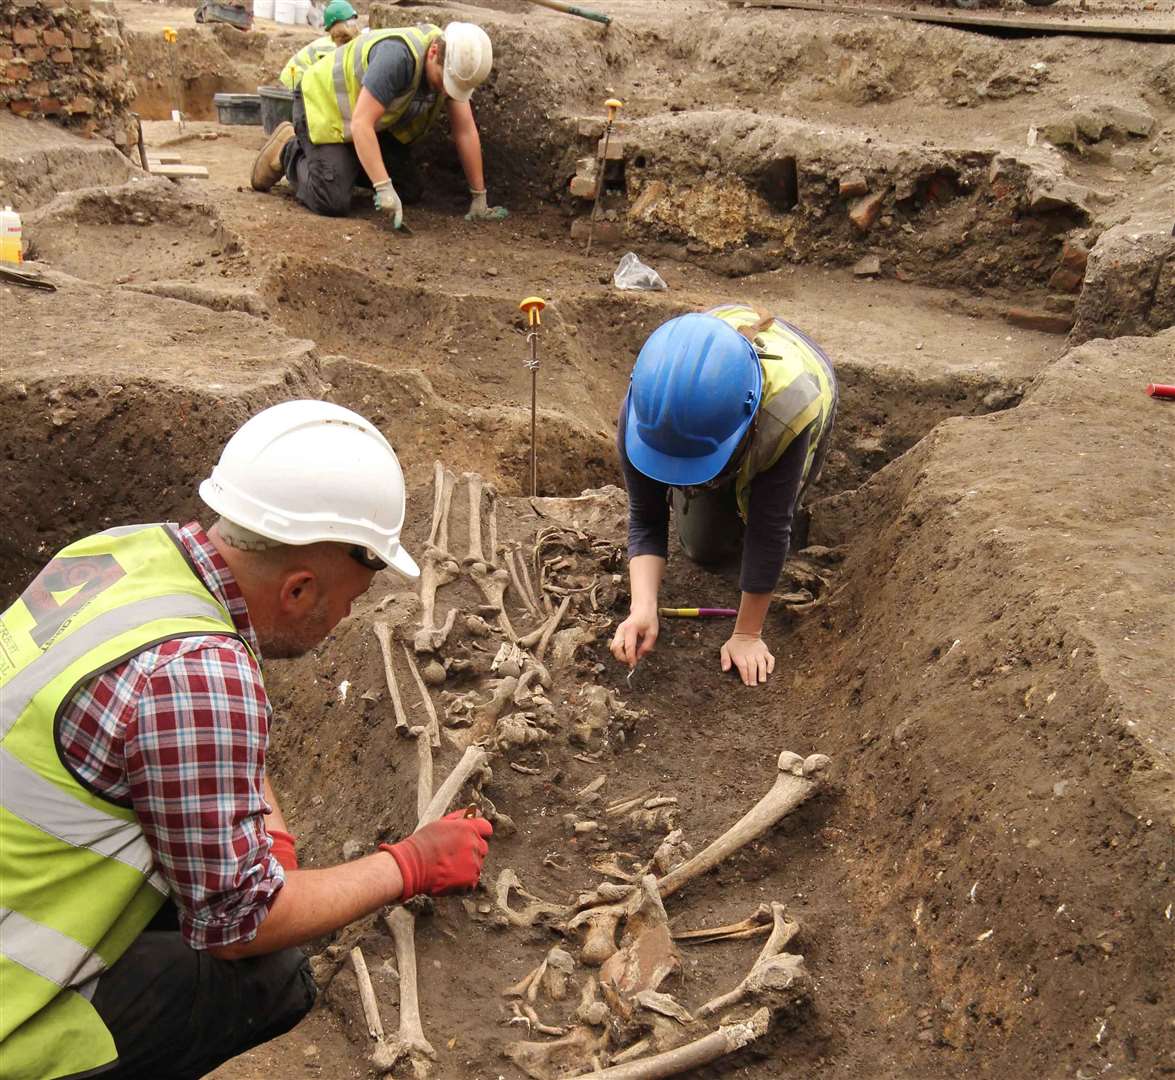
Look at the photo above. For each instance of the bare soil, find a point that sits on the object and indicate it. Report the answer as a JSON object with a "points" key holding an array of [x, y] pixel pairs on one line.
{"points": [[985, 886]]}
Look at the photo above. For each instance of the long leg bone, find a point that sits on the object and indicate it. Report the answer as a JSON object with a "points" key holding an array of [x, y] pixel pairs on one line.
{"points": [[442, 532], [472, 761], [410, 1040], [492, 522], [383, 633], [438, 498], [726, 1040], [551, 627], [375, 1026], [423, 769], [436, 569], [476, 554], [550, 1060], [797, 780], [434, 724], [492, 584]]}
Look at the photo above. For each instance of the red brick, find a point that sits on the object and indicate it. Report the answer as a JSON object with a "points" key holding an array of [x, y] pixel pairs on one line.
{"points": [[21, 108], [6, 52], [864, 214], [16, 71], [1074, 256], [34, 54], [1043, 321], [81, 40], [55, 39], [24, 35], [1066, 280], [80, 104], [37, 88], [49, 106], [853, 185], [80, 5], [61, 56]]}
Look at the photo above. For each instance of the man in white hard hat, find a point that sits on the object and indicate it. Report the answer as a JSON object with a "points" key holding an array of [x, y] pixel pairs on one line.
{"points": [[153, 898], [357, 112]]}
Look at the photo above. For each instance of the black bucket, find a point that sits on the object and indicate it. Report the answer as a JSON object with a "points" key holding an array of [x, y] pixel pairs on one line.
{"points": [[237, 108], [277, 104]]}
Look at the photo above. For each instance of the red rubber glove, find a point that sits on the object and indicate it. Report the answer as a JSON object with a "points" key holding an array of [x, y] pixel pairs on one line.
{"points": [[282, 849], [443, 857]]}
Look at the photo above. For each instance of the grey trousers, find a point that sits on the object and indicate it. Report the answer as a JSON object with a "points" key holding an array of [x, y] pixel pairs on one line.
{"points": [[323, 177]]}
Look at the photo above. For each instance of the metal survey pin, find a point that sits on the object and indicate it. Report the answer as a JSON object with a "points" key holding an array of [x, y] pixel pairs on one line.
{"points": [[533, 306], [612, 105]]}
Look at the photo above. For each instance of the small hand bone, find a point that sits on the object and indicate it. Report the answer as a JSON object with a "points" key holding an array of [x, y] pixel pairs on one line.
{"points": [[798, 778]]}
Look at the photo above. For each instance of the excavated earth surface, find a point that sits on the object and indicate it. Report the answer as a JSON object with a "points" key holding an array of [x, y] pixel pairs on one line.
{"points": [[985, 884]]}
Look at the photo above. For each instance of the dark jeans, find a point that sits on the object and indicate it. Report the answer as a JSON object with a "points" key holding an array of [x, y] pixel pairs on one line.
{"points": [[176, 1013], [323, 176]]}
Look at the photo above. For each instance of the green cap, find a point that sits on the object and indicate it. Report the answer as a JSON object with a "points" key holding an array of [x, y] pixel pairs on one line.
{"points": [[337, 11]]}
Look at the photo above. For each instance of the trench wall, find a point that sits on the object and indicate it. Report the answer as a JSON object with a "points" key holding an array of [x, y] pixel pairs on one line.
{"points": [[61, 59]]}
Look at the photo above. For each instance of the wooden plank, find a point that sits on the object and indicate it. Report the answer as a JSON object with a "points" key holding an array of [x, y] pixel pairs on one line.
{"points": [[163, 157], [1017, 24], [177, 171]]}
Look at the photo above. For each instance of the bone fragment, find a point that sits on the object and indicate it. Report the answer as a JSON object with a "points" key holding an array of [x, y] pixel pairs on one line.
{"points": [[566, 644], [534, 911], [761, 922], [442, 539], [600, 940], [520, 988], [492, 584], [383, 633], [552, 1060], [535, 1023], [434, 725], [797, 779], [560, 966], [591, 1010], [513, 559], [436, 569], [664, 1005], [647, 955], [774, 972], [672, 852], [375, 1026], [551, 627], [473, 760], [726, 1040], [609, 866], [410, 1040], [486, 714], [508, 660], [533, 596], [595, 785], [475, 552]]}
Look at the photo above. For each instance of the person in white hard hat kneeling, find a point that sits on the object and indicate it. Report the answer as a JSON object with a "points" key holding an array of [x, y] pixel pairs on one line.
{"points": [[154, 902], [357, 112]]}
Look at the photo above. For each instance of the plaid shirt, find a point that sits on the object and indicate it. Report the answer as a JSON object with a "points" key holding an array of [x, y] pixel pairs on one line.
{"points": [[179, 731]]}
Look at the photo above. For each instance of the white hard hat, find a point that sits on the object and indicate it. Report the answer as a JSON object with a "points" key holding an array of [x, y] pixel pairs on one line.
{"points": [[468, 59], [307, 471]]}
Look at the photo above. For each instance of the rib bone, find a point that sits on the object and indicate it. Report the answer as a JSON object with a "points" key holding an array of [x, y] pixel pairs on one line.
{"points": [[726, 1040], [796, 781], [383, 633], [512, 558], [752, 926]]}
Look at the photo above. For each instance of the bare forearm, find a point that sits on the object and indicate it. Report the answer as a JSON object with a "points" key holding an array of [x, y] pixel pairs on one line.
{"points": [[752, 613], [317, 902], [366, 145], [274, 819], [644, 576], [468, 143]]}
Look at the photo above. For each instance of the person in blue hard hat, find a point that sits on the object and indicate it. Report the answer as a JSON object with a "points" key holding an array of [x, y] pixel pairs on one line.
{"points": [[726, 424]]}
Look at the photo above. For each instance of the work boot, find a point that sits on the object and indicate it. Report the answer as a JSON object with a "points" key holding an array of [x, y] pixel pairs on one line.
{"points": [[267, 169]]}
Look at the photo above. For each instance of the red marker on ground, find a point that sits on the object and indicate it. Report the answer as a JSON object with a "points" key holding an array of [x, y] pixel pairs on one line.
{"points": [[1162, 390]]}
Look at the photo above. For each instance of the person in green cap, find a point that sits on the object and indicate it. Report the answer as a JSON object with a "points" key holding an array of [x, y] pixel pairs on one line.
{"points": [[342, 24]]}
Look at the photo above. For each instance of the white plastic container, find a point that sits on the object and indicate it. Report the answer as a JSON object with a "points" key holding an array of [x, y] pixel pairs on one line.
{"points": [[263, 9], [302, 10], [10, 246], [285, 11]]}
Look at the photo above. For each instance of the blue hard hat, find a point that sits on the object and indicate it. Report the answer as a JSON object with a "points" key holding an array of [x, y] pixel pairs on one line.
{"points": [[695, 389]]}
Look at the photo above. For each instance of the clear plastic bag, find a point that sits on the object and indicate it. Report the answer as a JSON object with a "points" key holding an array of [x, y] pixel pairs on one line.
{"points": [[631, 273]]}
